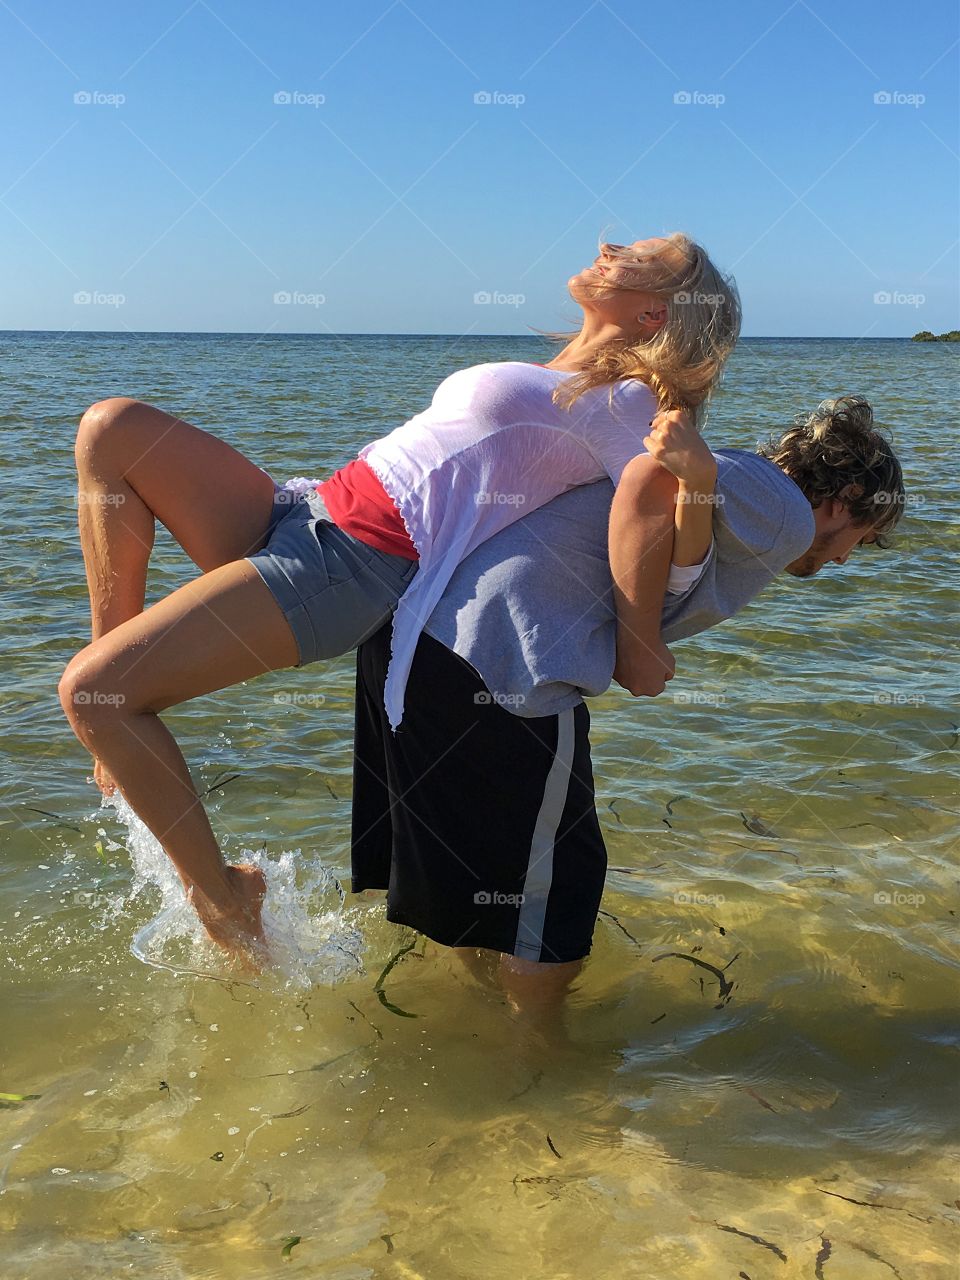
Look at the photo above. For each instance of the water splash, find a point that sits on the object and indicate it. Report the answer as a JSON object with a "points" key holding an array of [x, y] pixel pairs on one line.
{"points": [[312, 936]]}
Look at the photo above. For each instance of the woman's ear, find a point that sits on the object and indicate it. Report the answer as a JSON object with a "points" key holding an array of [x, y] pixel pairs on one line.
{"points": [[654, 315]]}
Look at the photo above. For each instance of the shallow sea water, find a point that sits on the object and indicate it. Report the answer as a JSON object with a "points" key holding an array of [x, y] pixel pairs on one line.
{"points": [[786, 815]]}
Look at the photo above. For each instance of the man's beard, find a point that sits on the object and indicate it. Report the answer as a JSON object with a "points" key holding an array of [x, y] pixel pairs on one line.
{"points": [[812, 560]]}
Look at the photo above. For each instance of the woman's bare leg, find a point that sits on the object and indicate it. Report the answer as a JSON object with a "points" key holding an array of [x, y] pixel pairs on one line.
{"points": [[216, 631], [136, 465]]}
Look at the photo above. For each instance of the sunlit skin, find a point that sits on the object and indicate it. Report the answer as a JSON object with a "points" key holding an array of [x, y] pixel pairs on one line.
{"points": [[616, 310], [836, 536], [613, 310], [137, 465], [161, 467]]}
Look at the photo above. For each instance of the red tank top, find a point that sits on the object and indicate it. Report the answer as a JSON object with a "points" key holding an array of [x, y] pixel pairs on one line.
{"points": [[359, 505]]}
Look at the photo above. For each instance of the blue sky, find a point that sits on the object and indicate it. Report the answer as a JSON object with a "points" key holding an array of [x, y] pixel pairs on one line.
{"points": [[176, 193]]}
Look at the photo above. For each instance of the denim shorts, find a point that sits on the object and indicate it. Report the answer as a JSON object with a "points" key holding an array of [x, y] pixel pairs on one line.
{"points": [[335, 591]]}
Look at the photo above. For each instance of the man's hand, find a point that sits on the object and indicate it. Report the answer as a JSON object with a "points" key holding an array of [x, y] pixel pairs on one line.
{"points": [[679, 447], [643, 669]]}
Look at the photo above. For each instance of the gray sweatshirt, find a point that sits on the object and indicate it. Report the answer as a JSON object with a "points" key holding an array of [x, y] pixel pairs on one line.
{"points": [[532, 608]]}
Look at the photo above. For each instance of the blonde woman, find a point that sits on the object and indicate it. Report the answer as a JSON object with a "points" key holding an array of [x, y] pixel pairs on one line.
{"points": [[297, 573]]}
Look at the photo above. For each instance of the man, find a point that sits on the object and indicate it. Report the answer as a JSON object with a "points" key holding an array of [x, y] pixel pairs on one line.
{"points": [[478, 815]]}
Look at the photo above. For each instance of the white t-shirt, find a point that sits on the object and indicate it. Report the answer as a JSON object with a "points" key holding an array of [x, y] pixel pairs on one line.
{"points": [[491, 447], [683, 577]]}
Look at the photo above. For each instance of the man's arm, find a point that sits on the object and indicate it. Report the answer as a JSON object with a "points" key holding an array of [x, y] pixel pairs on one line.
{"points": [[641, 541]]}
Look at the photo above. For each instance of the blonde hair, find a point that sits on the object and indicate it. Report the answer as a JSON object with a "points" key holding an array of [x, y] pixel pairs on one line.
{"points": [[838, 452], [682, 362]]}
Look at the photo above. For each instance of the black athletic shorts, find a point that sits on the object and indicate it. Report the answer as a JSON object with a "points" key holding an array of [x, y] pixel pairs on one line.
{"points": [[480, 824]]}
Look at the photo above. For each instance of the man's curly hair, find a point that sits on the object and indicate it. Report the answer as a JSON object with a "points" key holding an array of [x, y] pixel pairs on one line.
{"points": [[838, 452]]}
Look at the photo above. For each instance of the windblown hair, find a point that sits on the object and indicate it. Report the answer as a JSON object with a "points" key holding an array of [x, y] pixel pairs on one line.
{"points": [[837, 452], [683, 361]]}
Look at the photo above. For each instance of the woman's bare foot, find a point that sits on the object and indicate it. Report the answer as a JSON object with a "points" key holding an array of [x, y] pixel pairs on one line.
{"points": [[236, 926], [103, 779]]}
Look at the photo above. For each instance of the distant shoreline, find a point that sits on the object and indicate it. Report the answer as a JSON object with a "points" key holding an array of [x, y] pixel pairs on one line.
{"points": [[952, 336]]}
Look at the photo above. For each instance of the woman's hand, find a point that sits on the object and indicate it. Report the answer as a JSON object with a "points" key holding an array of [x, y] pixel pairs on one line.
{"points": [[678, 446]]}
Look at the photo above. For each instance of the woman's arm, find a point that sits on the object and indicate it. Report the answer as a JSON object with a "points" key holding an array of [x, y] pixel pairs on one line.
{"points": [[640, 543], [676, 445]]}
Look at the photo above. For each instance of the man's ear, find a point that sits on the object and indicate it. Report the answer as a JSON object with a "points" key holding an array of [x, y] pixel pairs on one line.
{"points": [[830, 510], [850, 491]]}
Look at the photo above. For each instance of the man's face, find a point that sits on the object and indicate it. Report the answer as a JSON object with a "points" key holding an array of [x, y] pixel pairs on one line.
{"points": [[835, 537]]}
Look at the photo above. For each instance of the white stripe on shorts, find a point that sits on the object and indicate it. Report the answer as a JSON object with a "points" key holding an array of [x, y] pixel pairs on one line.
{"points": [[539, 876]]}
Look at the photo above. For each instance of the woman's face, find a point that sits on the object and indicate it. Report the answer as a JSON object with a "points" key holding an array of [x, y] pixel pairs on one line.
{"points": [[613, 286]]}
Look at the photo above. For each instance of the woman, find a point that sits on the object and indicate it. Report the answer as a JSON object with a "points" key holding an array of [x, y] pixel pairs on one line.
{"points": [[285, 582]]}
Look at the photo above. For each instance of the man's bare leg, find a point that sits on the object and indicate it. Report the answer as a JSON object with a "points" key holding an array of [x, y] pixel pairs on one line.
{"points": [[481, 963], [536, 992], [536, 989], [537, 995]]}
